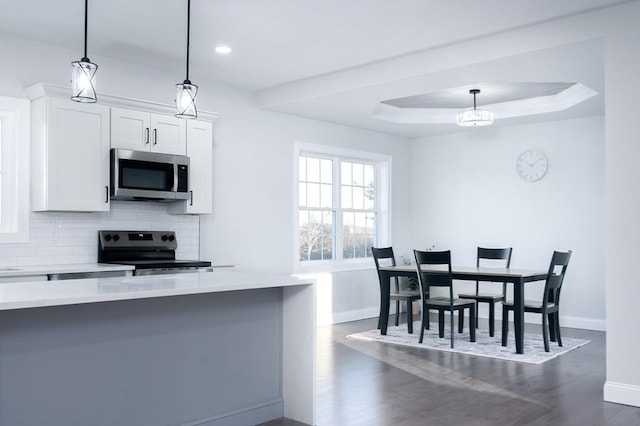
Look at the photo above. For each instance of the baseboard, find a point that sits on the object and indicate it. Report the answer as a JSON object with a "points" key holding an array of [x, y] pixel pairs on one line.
{"points": [[565, 321], [622, 393], [355, 315], [256, 414]]}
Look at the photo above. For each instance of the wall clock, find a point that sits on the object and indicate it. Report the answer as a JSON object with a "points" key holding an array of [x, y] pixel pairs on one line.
{"points": [[532, 165]]}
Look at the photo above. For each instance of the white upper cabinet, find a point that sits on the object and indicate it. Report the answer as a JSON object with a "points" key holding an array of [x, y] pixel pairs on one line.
{"points": [[200, 152], [69, 155], [144, 131]]}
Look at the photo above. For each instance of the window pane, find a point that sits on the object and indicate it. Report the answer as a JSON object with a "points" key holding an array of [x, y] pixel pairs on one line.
{"points": [[358, 174], [302, 195], [302, 168], [326, 196], [345, 173], [326, 171], [358, 197], [316, 235], [358, 234], [369, 175], [313, 169], [346, 197]]}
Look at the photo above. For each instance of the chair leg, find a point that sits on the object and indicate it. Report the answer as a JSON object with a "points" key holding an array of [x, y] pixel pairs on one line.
{"points": [[477, 317], [460, 320], [451, 327], [472, 321], [425, 319], [545, 332], [441, 323], [397, 312], [557, 324], [505, 325], [410, 316], [492, 318], [552, 328]]}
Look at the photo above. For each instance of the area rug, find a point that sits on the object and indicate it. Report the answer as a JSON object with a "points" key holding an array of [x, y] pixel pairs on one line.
{"points": [[485, 346]]}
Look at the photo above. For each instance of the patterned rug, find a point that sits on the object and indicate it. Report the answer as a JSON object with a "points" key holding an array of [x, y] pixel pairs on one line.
{"points": [[485, 345]]}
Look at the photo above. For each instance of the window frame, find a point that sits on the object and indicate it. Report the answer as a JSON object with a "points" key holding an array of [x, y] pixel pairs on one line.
{"points": [[14, 192], [382, 167]]}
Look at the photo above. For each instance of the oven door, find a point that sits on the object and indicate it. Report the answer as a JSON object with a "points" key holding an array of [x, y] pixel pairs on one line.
{"points": [[138, 175]]}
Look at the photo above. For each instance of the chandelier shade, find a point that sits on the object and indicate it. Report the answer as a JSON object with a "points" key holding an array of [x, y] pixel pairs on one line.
{"points": [[474, 117], [83, 75], [186, 94]]}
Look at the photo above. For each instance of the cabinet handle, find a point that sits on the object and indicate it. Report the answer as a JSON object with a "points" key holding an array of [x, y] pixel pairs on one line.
{"points": [[146, 137], [106, 193], [191, 194], [155, 136]]}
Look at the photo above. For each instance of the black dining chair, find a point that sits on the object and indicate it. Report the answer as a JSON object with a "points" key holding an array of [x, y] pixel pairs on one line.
{"points": [[399, 295], [486, 257], [434, 270], [549, 306]]}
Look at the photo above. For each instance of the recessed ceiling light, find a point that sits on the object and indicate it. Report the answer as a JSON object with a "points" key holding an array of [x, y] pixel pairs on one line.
{"points": [[223, 50]]}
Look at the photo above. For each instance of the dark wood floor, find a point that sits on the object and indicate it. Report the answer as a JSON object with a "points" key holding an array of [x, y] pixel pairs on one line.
{"points": [[368, 383]]}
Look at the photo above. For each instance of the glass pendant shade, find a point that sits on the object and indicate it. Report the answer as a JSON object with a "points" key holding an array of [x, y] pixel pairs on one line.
{"points": [[83, 81], [186, 100], [475, 117]]}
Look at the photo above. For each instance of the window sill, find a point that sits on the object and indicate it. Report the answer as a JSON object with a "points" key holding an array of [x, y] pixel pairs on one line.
{"points": [[332, 266]]}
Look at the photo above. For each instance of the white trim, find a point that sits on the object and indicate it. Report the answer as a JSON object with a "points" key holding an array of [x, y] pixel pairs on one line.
{"points": [[622, 393], [354, 315], [15, 114]]}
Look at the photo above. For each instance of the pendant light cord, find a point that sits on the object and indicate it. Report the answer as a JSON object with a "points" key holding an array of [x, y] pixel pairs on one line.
{"points": [[86, 7], [188, 31]]}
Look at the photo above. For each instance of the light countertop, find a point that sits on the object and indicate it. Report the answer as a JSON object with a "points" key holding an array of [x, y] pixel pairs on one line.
{"points": [[21, 271], [21, 295]]}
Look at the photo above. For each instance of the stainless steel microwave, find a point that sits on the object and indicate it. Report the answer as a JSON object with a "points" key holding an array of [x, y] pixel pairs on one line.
{"points": [[148, 176]]}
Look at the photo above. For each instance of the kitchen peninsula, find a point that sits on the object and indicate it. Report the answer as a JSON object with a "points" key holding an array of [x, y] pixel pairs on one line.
{"points": [[216, 348]]}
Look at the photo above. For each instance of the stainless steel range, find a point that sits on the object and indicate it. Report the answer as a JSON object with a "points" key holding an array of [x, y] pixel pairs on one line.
{"points": [[150, 252]]}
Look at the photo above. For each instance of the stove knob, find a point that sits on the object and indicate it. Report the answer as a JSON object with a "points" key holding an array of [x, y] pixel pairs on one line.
{"points": [[107, 237], [172, 237], [116, 237], [164, 238]]}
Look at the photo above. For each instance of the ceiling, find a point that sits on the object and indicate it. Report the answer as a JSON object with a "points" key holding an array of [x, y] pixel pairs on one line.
{"points": [[282, 45]]}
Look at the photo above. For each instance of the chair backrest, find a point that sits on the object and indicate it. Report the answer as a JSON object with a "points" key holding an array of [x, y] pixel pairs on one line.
{"points": [[494, 254], [555, 276], [382, 254], [434, 270]]}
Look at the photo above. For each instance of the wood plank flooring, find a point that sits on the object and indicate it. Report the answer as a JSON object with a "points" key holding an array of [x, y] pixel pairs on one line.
{"points": [[367, 383]]}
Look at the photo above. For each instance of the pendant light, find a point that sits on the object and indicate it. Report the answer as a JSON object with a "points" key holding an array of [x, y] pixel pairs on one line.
{"points": [[84, 72], [186, 96], [474, 117]]}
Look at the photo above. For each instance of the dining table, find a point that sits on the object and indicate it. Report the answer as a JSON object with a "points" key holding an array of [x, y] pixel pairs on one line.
{"points": [[517, 277]]}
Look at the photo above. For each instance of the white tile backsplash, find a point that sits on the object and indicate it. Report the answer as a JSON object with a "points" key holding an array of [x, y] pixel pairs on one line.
{"points": [[68, 238]]}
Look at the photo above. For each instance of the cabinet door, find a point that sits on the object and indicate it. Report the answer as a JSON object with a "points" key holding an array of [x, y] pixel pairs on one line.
{"points": [[77, 159], [200, 151], [130, 129], [168, 134]]}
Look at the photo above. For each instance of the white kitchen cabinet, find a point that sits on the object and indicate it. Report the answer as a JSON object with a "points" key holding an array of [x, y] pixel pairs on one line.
{"points": [[200, 152], [69, 155], [144, 131]]}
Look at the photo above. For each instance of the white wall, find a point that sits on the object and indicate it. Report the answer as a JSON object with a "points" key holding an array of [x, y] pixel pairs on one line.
{"points": [[252, 224], [467, 194]]}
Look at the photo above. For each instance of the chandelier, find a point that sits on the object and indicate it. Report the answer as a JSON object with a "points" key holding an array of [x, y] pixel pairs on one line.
{"points": [[475, 116]]}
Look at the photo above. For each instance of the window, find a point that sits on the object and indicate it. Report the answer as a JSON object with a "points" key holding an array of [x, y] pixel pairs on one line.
{"points": [[14, 170], [343, 205]]}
